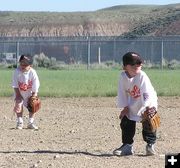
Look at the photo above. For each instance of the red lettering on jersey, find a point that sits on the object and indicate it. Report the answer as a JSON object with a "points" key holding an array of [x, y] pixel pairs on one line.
{"points": [[135, 92], [24, 86]]}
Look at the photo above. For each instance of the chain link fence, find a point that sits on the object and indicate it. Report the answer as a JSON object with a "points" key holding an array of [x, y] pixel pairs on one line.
{"points": [[156, 51]]}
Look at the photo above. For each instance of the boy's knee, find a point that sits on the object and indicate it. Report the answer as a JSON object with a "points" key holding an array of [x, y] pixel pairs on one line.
{"points": [[18, 107]]}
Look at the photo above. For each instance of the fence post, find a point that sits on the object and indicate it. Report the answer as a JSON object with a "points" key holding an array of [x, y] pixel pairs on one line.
{"points": [[89, 52], [114, 50], [162, 53], [17, 52], [99, 55]]}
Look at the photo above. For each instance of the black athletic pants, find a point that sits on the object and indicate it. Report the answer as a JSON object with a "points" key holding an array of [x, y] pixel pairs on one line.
{"points": [[128, 128]]}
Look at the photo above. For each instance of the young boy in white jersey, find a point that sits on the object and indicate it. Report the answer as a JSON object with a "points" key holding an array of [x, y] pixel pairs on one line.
{"points": [[26, 83], [135, 94]]}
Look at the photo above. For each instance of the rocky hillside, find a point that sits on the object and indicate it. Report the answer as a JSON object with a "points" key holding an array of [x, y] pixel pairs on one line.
{"points": [[127, 21]]}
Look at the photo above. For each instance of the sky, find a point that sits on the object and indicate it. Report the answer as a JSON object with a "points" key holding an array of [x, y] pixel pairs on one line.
{"points": [[72, 5]]}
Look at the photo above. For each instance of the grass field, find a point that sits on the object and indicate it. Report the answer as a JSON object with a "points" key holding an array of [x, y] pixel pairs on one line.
{"points": [[91, 83]]}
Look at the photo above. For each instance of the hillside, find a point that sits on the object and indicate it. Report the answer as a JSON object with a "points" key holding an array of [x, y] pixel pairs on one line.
{"points": [[127, 21]]}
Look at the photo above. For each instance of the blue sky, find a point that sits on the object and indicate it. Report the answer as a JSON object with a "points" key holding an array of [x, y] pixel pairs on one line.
{"points": [[71, 5]]}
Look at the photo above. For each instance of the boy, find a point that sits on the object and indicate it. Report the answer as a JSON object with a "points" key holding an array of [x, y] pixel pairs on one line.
{"points": [[25, 83], [135, 95]]}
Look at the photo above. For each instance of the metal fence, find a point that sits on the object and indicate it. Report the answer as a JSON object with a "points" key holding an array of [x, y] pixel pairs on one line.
{"points": [[90, 50]]}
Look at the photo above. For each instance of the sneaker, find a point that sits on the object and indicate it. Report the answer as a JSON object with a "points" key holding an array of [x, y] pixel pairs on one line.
{"points": [[32, 126], [19, 125], [125, 149], [150, 150]]}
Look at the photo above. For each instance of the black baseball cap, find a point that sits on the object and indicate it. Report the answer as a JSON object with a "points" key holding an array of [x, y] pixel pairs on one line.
{"points": [[132, 58], [26, 59]]}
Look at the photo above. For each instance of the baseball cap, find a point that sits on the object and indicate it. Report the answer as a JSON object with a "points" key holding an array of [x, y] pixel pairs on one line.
{"points": [[132, 58], [26, 59]]}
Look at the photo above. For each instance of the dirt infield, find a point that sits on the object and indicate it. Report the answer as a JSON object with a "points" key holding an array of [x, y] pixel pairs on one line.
{"points": [[82, 133]]}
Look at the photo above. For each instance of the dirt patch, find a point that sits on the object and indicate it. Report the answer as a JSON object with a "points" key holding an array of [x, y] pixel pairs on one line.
{"points": [[82, 132]]}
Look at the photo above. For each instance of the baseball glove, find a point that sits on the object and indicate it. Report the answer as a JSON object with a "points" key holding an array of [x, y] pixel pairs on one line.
{"points": [[33, 104], [150, 119]]}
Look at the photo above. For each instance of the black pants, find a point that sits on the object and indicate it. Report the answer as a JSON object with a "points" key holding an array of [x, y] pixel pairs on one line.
{"points": [[128, 128]]}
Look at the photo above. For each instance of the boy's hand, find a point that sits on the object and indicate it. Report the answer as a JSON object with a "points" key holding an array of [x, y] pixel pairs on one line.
{"points": [[34, 94], [123, 112]]}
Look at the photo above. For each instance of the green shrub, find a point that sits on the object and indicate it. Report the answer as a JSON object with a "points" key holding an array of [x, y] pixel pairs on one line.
{"points": [[44, 61]]}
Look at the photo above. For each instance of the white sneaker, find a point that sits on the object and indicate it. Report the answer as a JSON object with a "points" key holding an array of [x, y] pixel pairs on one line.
{"points": [[125, 149], [19, 125], [32, 126], [150, 150]]}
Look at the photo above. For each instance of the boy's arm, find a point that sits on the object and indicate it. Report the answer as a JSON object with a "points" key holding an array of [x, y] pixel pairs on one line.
{"points": [[36, 84], [122, 98], [17, 94]]}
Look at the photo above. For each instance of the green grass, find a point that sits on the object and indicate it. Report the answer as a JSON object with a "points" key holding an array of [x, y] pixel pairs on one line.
{"points": [[74, 83], [91, 83], [166, 82]]}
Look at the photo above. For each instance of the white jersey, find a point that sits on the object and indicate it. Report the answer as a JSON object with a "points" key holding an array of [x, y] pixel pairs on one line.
{"points": [[27, 82], [137, 93]]}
